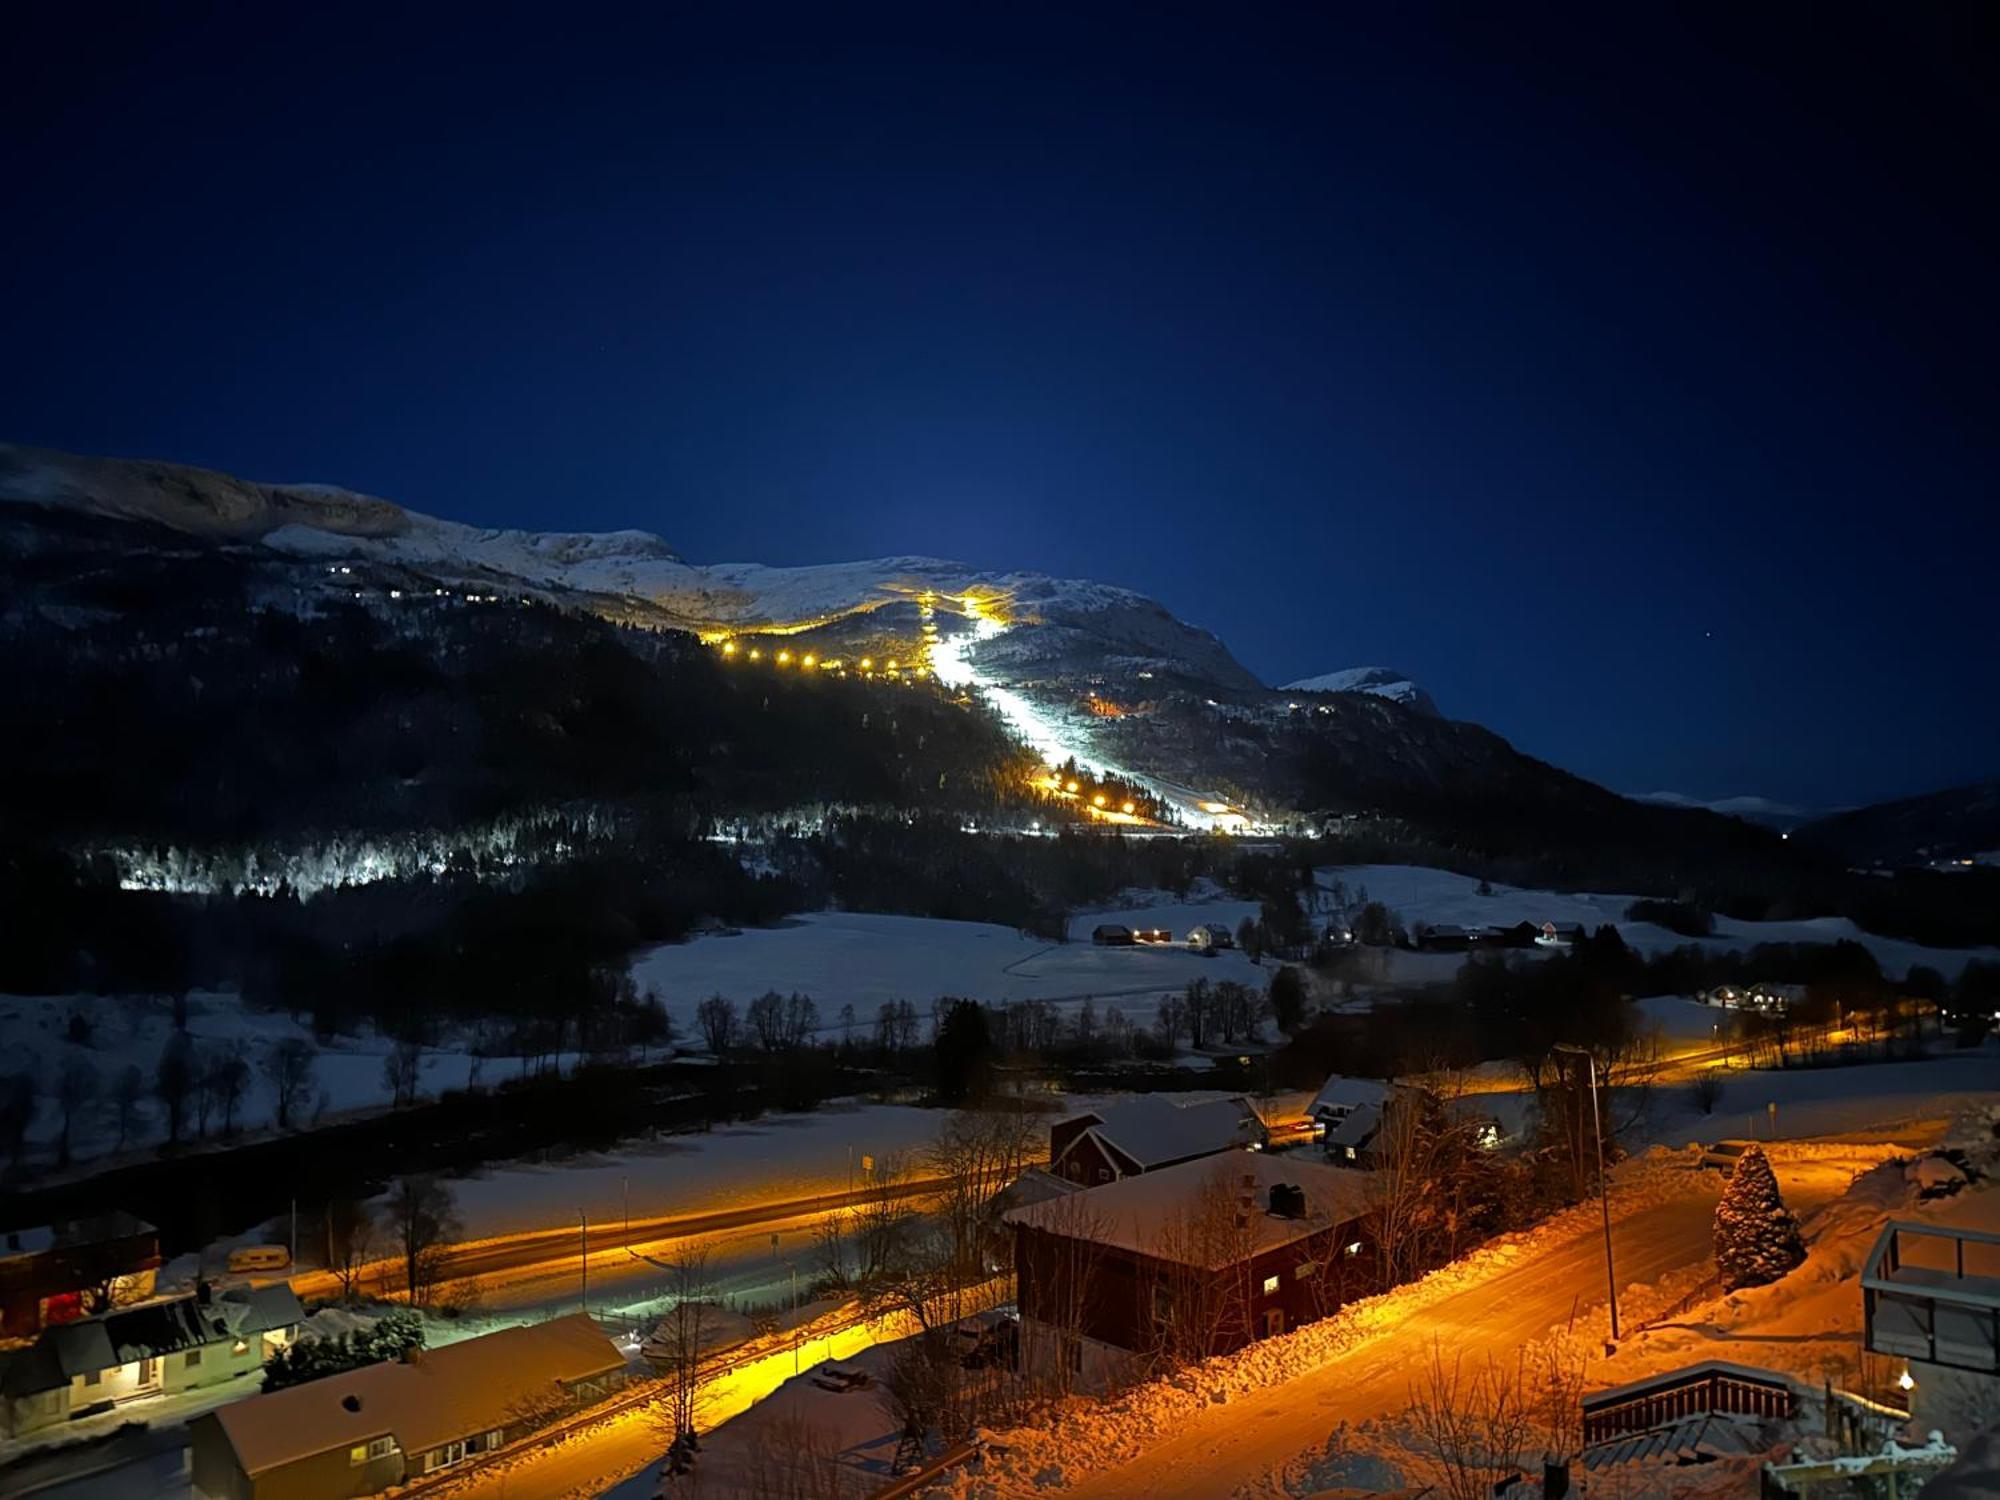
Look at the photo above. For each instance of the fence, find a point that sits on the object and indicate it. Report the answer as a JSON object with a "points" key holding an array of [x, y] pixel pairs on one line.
{"points": [[1700, 1390]]}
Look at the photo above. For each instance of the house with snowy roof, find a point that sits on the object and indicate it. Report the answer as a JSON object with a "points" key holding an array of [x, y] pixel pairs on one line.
{"points": [[363, 1431], [154, 1349], [1201, 1257], [1347, 1115], [1148, 1132], [48, 1274]]}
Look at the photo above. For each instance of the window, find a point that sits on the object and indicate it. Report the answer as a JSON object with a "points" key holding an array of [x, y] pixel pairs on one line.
{"points": [[193, 1358], [94, 1377], [1104, 1174], [1354, 1248], [1270, 1285], [367, 1452]]}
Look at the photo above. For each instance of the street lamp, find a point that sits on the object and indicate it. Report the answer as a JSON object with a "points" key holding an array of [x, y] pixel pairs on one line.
{"points": [[1603, 1178]]}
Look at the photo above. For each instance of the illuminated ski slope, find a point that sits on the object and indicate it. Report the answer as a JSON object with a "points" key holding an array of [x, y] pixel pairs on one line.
{"points": [[1056, 741]]}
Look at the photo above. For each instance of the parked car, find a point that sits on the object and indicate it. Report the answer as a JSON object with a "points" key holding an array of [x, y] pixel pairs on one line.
{"points": [[259, 1258], [1723, 1156]]}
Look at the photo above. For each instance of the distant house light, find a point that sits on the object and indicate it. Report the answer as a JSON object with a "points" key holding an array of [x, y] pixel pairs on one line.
{"points": [[1270, 1285]]}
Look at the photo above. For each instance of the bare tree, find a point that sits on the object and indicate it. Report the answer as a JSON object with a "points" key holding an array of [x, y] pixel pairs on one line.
{"points": [[126, 1094], [1198, 1309], [682, 1339], [400, 1071], [350, 1234], [801, 1020], [797, 1461], [1706, 1090], [225, 1078], [1473, 1426], [977, 1152], [1434, 1190], [422, 1215], [291, 1066], [766, 1019], [920, 1389], [76, 1087], [1060, 1261], [174, 1080]]}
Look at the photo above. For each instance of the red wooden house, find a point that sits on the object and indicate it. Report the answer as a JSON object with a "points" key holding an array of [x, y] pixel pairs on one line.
{"points": [[1189, 1260]]}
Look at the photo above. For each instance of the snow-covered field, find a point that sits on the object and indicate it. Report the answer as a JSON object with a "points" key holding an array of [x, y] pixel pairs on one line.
{"points": [[1871, 1101], [862, 959], [129, 1031], [1417, 893]]}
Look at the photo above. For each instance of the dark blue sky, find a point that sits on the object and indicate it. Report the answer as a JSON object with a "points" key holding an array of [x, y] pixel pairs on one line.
{"points": [[1626, 376]]}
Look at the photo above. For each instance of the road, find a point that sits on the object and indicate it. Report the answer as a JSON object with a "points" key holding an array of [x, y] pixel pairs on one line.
{"points": [[1247, 1441], [534, 1257]]}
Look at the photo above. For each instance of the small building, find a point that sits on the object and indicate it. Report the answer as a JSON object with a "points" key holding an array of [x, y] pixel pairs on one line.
{"points": [[1152, 935], [361, 1432], [1199, 1258], [1774, 999], [1444, 937], [1148, 1132], [1112, 935], [1559, 934], [1210, 937], [1348, 1115], [54, 1274], [155, 1349]]}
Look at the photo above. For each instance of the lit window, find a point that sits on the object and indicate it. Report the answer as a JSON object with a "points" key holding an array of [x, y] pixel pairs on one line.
{"points": [[357, 1456], [1270, 1285], [1350, 1152], [1355, 1248]]}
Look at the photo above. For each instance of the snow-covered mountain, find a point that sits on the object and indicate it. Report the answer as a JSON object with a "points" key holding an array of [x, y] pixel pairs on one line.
{"points": [[109, 564], [1076, 624], [1382, 682], [1751, 809]]}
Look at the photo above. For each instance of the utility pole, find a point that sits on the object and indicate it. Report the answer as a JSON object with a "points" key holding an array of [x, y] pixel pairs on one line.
{"points": [[295, 1231], [583, 1245], [1603, 1180], [628, 1213]]}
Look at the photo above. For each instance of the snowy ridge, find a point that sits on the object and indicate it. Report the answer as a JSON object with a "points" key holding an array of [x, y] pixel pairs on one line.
{"points": [[314, 521], [1750, 809], [1380, 682]]}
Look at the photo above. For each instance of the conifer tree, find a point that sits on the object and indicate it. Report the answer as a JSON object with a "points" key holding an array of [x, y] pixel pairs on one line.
{"points": [[1756, 1238]]}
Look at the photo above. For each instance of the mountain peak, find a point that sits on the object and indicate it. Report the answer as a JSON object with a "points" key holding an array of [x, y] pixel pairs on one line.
{"points": [[1380, 682]]}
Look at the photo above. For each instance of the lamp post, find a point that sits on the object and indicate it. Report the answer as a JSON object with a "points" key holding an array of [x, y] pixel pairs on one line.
{"points": [[583, 1259], [1603, 1179]]}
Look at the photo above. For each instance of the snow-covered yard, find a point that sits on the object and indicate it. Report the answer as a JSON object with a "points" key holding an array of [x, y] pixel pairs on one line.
{"points": [[864, 960]]}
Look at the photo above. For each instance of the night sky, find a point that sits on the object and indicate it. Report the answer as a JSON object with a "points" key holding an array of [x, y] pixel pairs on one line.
{"points": [[1627, 379]]}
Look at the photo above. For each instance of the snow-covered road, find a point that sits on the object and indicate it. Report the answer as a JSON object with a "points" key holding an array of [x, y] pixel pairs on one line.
{"points": [[1245, 1443]]}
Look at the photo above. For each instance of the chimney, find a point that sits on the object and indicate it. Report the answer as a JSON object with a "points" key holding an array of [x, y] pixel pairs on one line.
{"points": [[1555, 1479], [203, 1293]]}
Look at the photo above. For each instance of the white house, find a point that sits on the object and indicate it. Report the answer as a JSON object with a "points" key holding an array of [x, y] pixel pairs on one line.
{"points": [[154, 1349], [1210, 937]]}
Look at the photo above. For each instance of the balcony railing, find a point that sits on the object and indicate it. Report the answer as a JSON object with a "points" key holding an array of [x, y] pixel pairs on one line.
{"points": [[1932, 1293]]}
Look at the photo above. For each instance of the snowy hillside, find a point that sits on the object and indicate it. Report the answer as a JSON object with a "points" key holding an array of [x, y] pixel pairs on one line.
{"points": [[1382, 682], [320, 522]]}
